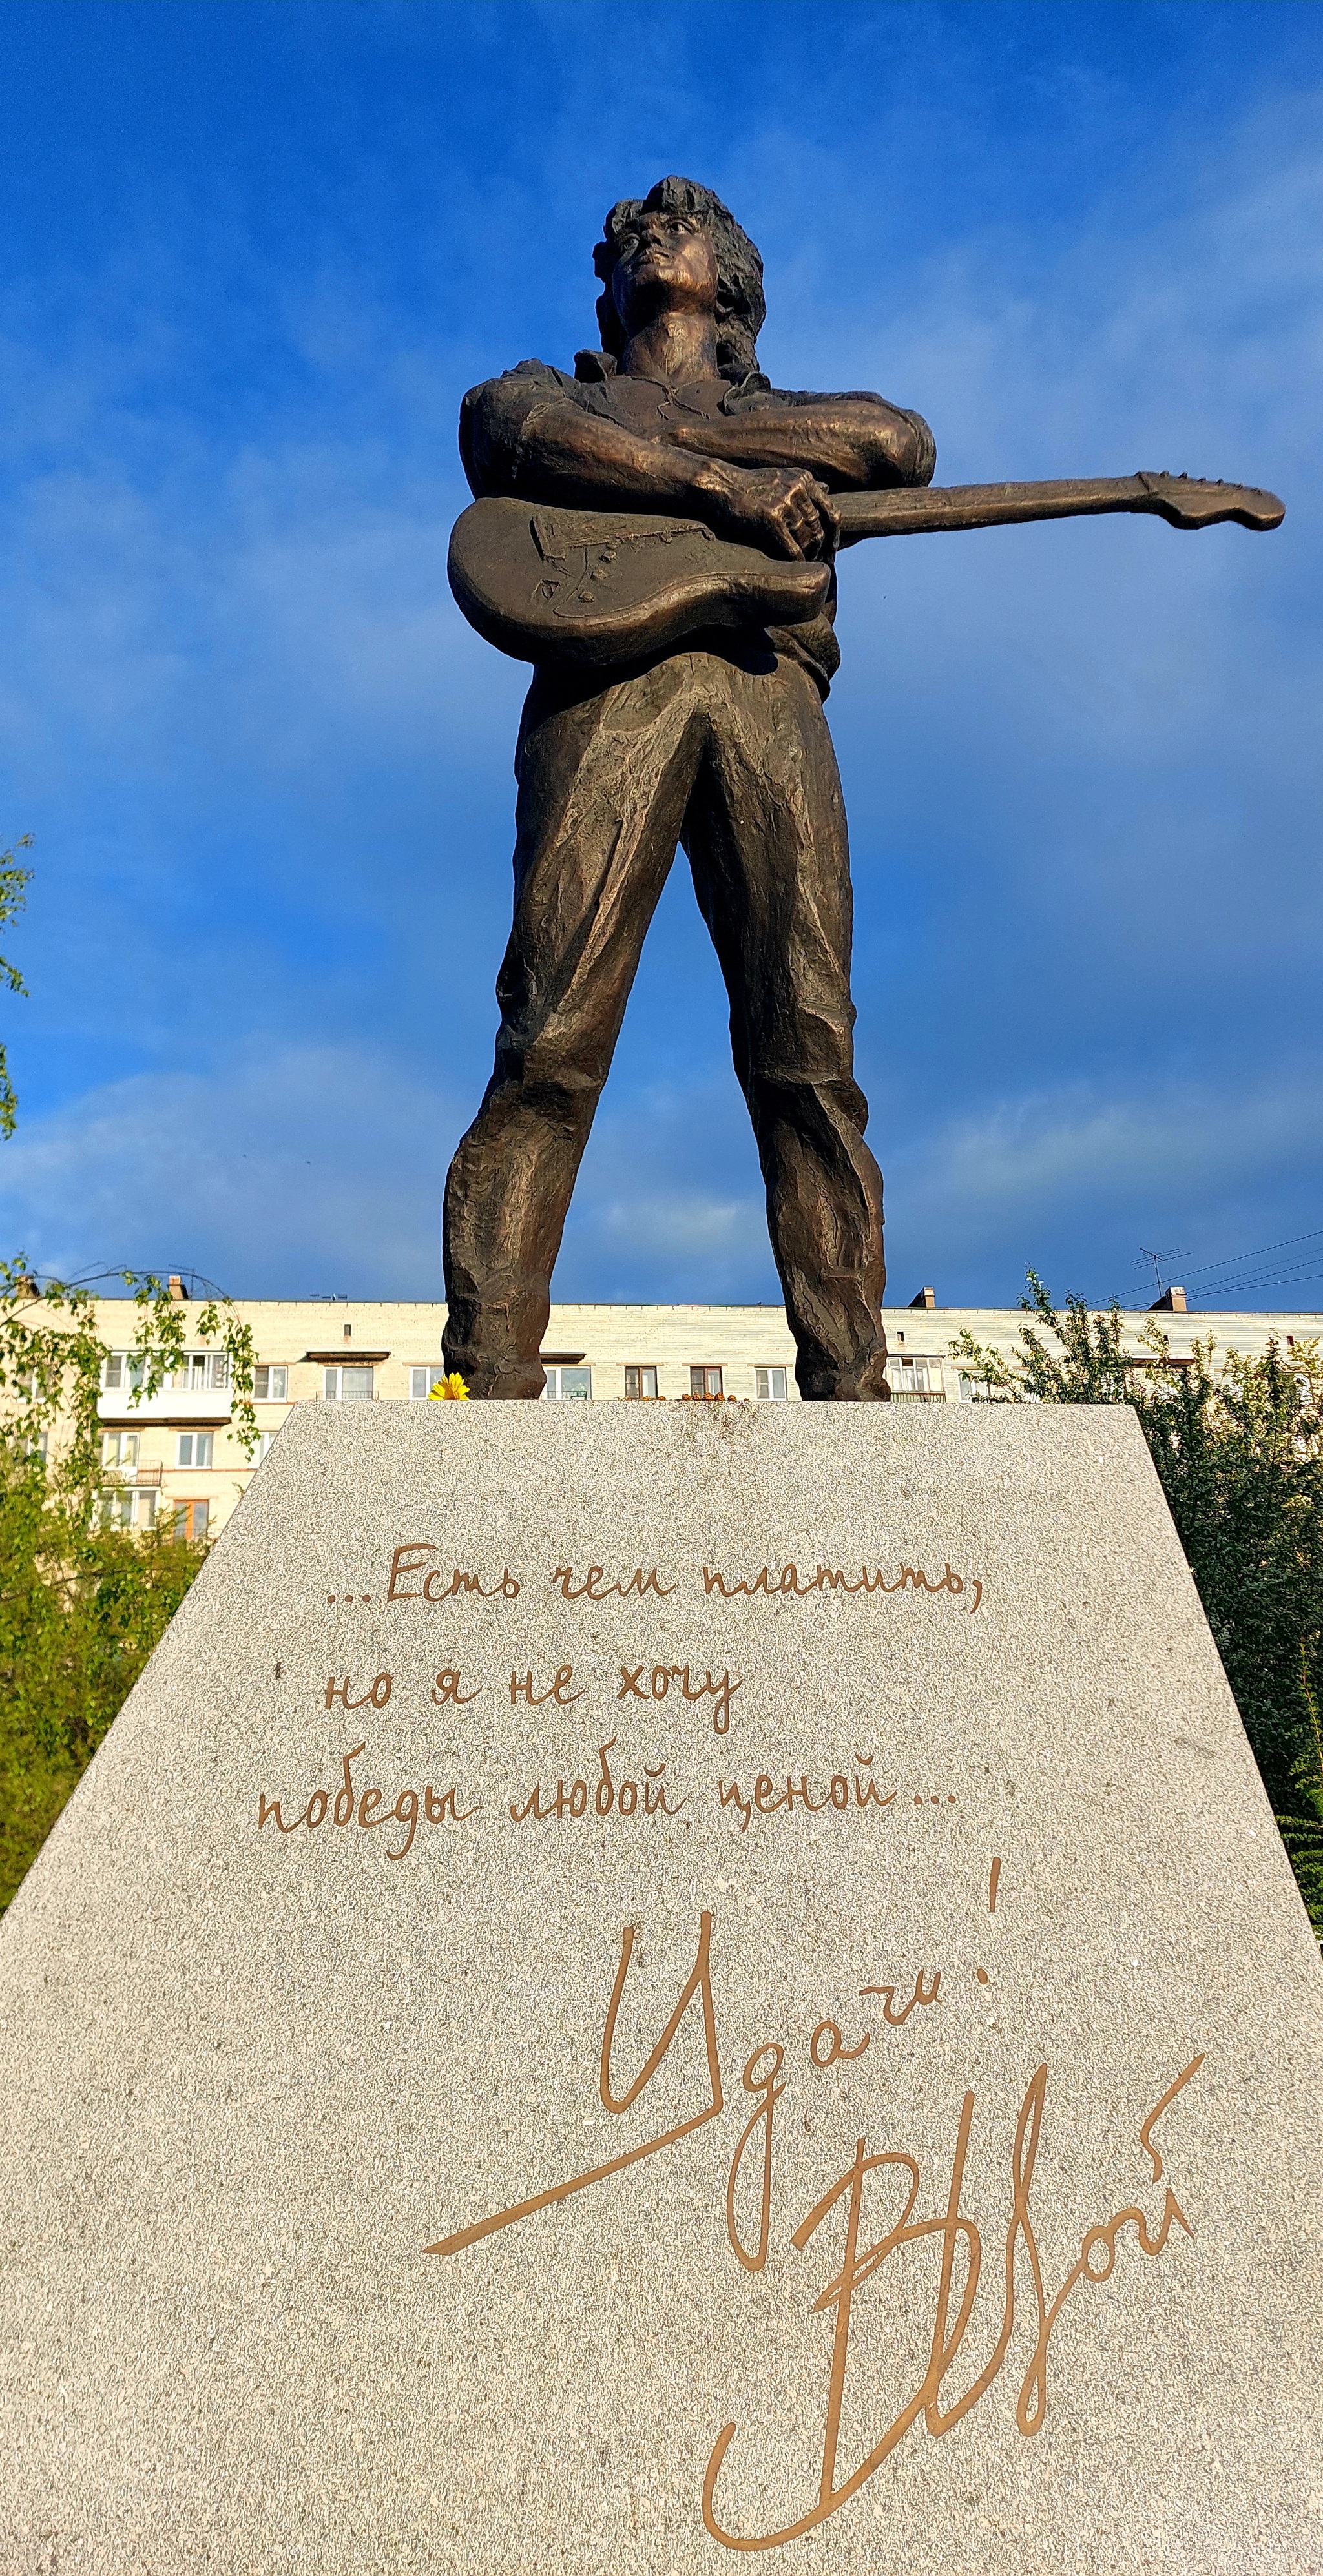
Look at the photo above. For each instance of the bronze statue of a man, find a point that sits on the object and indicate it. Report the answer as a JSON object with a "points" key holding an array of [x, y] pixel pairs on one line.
{"points": [[720, 747]]}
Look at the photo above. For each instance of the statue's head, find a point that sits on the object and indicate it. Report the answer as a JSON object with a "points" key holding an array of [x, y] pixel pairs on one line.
{"points": [[679, 243]]}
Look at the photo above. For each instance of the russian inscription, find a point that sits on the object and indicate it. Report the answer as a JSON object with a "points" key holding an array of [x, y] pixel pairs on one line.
{"points": [[769, 1798], [786, 1583], [413, 1577], [412, 1558], [637, 1682], [608, 1797], [349, 1805]]}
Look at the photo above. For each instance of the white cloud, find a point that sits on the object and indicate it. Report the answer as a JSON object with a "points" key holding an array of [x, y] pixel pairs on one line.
{"points": [[1077, 1176], [300, 1169]]}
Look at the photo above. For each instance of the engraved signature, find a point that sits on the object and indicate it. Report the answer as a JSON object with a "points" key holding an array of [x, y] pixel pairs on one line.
{"points": [[957, 2235]]}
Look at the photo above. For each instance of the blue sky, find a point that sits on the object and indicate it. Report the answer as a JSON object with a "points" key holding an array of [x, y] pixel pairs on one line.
{"points": [[253, 256]]}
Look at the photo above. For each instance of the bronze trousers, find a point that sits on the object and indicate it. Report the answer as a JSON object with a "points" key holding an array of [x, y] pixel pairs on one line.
{"points": [[729, 756]]}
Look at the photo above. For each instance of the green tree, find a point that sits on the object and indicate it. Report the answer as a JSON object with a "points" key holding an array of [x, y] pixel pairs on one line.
{"points": [[81, 1605], [1238, 1446], [78, 1620]]}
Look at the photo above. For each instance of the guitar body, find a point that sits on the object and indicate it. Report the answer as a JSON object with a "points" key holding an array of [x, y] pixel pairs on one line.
{"points": [[600, 589]]}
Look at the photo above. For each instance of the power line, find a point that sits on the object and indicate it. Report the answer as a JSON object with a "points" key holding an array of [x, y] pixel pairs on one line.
{"points": [[1237, 1261], [1236, 1275]]}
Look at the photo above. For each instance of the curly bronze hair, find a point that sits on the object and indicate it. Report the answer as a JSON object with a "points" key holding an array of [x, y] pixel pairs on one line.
{"points": [[741, 306]]}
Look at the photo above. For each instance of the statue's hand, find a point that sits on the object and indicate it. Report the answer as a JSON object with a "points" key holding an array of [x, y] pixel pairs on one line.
{"points": [[783, 509]]}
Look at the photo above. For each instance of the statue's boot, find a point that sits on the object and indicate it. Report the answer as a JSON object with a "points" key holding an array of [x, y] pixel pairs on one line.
{"points": [[863, 1382], [514, 1380]]}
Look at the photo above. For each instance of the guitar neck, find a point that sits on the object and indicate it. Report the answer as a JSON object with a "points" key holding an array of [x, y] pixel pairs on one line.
{"points": [[983, 505]]}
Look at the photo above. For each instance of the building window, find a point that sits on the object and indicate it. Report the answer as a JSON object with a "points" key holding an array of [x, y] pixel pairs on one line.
{"points": [[771, 1385], [705, 1381], [347, 1385], [194, 1449], [264, 1440], [125, 1509], [915, 1377], [641, 1384], [191, 1520], [121, 1369], [422, 1381], [271, 1385], [120, 1449], [199, 1369], [570, 1385], [974, 1390]]}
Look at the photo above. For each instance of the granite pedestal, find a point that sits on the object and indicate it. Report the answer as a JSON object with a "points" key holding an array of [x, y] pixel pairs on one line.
{"points": [[637, 1985]]}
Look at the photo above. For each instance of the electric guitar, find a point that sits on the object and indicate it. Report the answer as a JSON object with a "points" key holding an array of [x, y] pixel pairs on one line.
{"points": [[602, 589]]}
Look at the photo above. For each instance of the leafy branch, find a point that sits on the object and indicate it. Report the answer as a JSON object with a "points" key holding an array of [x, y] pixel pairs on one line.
{"points": [[14, 883], [166, 1329], [1238, 1448], [51, 1368], [82, 1605]]}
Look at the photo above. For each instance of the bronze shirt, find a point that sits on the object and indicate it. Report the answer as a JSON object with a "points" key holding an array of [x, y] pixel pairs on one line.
{"points": [[494, 419]]}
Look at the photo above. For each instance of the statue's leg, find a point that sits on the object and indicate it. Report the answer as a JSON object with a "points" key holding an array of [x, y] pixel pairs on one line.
{"points": [[603, 783], [767, 842]]}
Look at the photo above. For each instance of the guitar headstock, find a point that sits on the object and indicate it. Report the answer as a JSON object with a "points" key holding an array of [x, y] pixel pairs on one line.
{"points": [[1185, 502]]}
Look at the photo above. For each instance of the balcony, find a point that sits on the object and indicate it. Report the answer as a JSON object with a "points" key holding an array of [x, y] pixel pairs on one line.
{"points": [[141, 1479], [208, 1405]]}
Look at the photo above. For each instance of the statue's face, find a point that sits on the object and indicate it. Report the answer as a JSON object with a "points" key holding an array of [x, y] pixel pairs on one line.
{"points": [[666, 263]]}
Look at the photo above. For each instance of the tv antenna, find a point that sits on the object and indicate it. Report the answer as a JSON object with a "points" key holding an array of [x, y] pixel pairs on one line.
{"points": [[1172, 1253]]}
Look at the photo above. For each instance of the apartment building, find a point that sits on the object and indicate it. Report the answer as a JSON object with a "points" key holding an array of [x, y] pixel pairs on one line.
{"points": [[174, 1457]]}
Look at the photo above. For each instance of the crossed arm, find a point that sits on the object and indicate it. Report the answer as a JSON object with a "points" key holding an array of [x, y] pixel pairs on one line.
{"points": [[764, 476]]}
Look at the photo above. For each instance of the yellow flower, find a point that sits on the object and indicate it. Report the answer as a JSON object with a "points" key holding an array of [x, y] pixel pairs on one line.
{"points": [[449, 1390]]}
